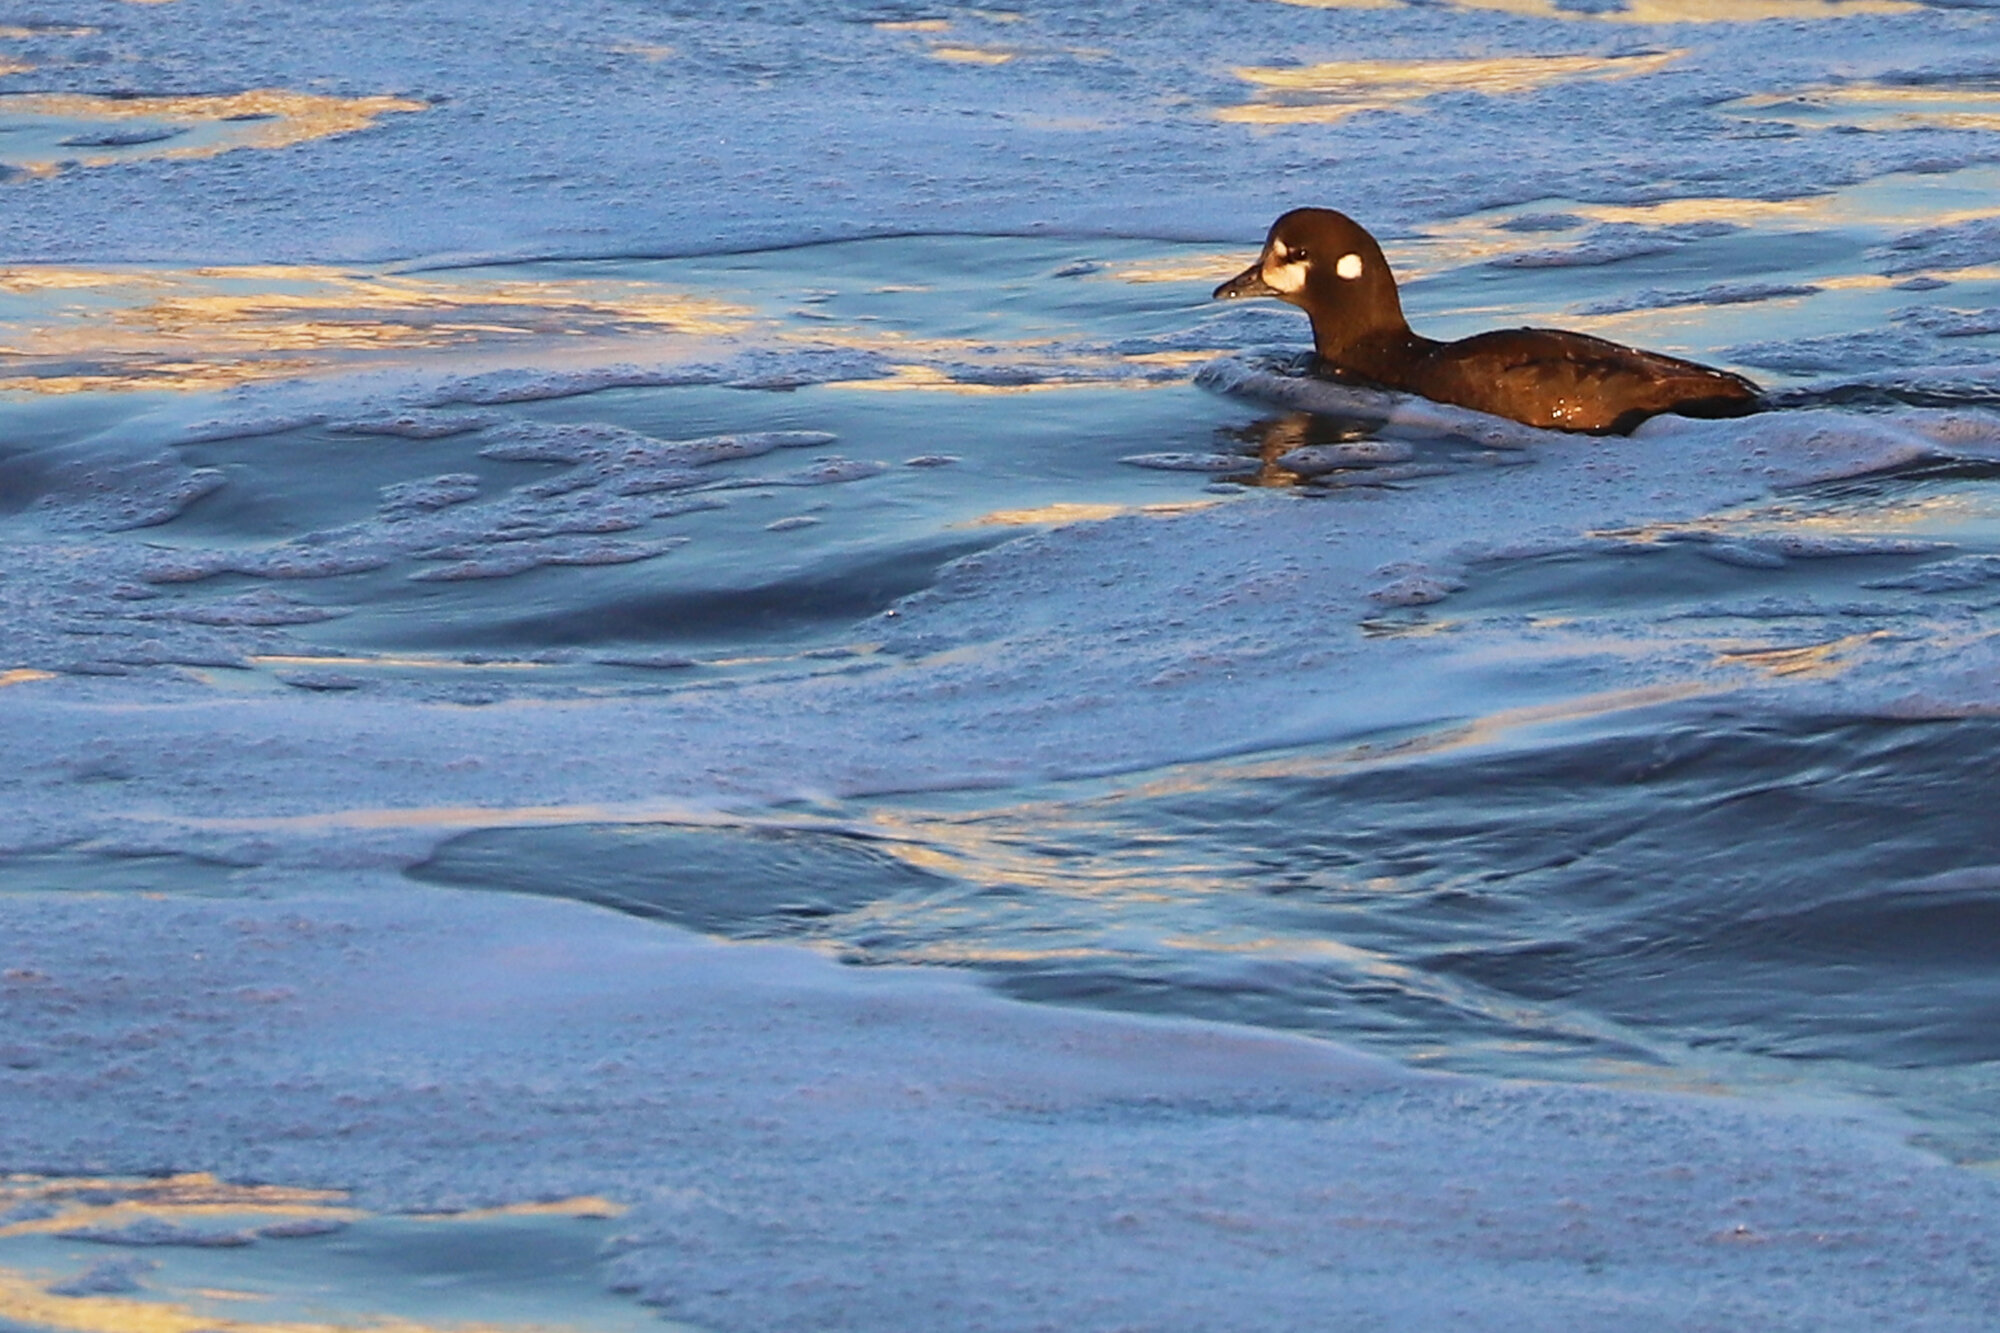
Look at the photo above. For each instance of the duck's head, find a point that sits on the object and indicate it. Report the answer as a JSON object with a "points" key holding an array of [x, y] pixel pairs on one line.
{"points": [[1324, 263]]}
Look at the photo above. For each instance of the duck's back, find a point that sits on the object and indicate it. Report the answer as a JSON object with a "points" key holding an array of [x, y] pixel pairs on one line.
{"points": [[1572, 381]]}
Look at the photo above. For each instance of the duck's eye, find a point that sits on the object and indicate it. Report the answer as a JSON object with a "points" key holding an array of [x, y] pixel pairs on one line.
{"points": [[1298, 257]]}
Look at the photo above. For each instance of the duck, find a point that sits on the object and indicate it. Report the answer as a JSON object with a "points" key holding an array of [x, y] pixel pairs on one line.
{"points": [[1328, 265]]}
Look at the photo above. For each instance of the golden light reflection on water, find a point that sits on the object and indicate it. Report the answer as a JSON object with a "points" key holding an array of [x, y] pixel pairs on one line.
{"points": [[178, 376], [23, 676], [1880, 107], [1334, 90], [1886, 203], [970, 55], [112, 329], [259, 118], [930, 379], [1187, 359], [196, 1199], [24, 1298], [582, 1206], [1819, 661], [960, 52], [1892, 515], [1860, 206], [78, 1201], [1191, 268], [1082, 512]]}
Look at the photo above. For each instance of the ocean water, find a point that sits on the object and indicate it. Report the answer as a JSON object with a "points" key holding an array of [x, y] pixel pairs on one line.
{"points": [[1764, 902], [1677, 895], [947, 595]]}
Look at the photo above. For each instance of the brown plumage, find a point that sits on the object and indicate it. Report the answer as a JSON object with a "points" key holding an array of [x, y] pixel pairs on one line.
{"points": [[1330, 267]]}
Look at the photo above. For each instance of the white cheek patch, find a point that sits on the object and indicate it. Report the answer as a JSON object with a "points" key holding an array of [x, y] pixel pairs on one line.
{"points": [[1286, 278], [1349, 267]]}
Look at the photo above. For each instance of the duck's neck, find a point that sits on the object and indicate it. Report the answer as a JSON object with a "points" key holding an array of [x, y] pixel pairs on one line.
{"points": [[1381, 353]]}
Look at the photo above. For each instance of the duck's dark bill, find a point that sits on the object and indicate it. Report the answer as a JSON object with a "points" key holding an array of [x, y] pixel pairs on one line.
{"points": [[1250, 282]]}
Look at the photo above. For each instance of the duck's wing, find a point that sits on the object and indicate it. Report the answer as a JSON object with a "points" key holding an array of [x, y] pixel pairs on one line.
{"points": [[1572, 381]]}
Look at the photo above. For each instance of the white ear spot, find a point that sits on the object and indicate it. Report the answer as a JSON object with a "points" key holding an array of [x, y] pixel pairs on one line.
{"points": [[1286, 278], [1349, 267]]}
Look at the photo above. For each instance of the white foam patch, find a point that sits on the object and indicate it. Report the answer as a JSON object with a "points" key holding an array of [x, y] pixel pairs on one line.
{"points": [[1178, 462], [746, 368], [100, 487], [481, 561], [618, 481], [80, 606], [831, 470], [1313, 459], [247, 424], [416, 425]]}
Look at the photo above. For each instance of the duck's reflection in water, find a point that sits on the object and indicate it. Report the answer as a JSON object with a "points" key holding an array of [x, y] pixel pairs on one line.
{"points": [[1312, 449]]}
